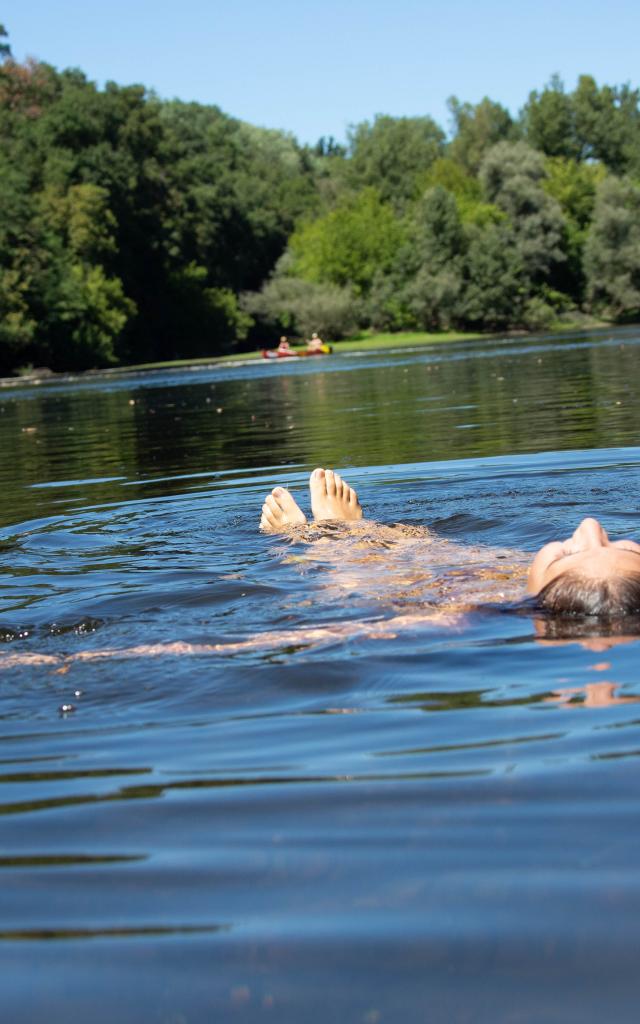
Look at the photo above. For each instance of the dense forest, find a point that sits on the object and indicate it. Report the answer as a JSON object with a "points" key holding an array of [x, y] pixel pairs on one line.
{"points": [[135, 229]]}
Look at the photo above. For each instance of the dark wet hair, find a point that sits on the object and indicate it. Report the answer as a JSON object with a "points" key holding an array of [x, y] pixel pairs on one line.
{"points": [[574, 595]]}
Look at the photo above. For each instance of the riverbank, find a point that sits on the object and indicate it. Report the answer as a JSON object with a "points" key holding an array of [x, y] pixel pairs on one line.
{"points": [[365, 342], [368, 342], [360, 343]]}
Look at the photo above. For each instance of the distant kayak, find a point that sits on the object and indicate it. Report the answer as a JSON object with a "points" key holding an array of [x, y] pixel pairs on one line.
{"points": [[296, 353]]}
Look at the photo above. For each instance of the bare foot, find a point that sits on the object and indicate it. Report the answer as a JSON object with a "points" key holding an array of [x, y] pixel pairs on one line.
{"points": [[279, 511], [332, 498]]}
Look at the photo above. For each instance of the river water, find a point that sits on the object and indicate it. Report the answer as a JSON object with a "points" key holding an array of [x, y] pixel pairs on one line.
{"points": [[438, 824]]}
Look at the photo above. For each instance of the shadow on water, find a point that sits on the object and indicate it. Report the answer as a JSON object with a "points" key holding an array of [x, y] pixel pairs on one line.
{"points": [[243, 776]]}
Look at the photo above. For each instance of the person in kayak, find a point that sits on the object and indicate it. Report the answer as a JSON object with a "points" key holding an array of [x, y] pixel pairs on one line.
{"points": [[315, 344]]}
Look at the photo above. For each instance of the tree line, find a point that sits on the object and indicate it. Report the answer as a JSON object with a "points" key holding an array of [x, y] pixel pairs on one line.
{"points": [[134, 229]]}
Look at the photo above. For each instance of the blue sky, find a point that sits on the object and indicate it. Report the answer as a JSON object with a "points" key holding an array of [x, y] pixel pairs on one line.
{"points": [[313, 68]]}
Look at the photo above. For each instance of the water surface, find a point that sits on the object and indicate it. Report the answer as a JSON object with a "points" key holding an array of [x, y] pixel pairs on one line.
{"points": [[438, 825]]}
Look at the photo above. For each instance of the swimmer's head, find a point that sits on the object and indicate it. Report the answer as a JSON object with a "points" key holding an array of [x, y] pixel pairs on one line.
{"points": [[573, 594], [587, 574]]}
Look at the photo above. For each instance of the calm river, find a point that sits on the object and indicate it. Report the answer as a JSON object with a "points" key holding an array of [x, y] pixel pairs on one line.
{"points": [[438, 825]]}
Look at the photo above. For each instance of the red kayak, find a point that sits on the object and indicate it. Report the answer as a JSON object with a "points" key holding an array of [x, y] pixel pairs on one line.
{"points": [[295, 353]]}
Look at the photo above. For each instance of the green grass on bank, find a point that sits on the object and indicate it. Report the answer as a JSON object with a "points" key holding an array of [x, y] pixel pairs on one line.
{"points": [[360, 343], [367, 343], [402, 339]]}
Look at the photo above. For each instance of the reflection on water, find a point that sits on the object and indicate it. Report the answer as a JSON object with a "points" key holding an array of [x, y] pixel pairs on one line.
{"points": [[418, 816], [165, 433]]}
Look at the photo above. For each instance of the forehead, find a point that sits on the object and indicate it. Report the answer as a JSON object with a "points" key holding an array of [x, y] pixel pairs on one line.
{"points": [[598, 563]]}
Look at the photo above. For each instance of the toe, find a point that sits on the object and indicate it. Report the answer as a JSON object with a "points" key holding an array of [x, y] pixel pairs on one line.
{"points": [[331, 482], [290, 507], [279, 497], [317, 477], [267, 521]]}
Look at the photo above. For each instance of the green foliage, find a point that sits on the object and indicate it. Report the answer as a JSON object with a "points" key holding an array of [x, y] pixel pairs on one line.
{"points": [[348, 245], [387, 307], [17, 326], [612, 251], [436, 231], [80, 218], [476, 129], [449, 174], [423, 286], [234, 193], [592, 123], [25, 90], [512, 175], [5, 49], [573, 185], [495, 293], [200, 320], [607, 122], [300, 307], [88, 313], [130, 226], [467, 191], [438, 244], [392, 154], [549, 121]]}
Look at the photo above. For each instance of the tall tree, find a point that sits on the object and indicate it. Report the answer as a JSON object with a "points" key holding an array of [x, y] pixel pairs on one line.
{"points": [[439, 243], [467, 190], [497, 287], [350, 244], [573, 185], [392, 154], [548, 121], [607, 121], [476, 129], [5, 49], [612, 251], [512, 176]]}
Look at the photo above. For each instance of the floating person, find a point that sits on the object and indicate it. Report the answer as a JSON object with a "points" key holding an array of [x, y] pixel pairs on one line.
{"points": [[585, 575], [283, 344], [586, 588]]}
